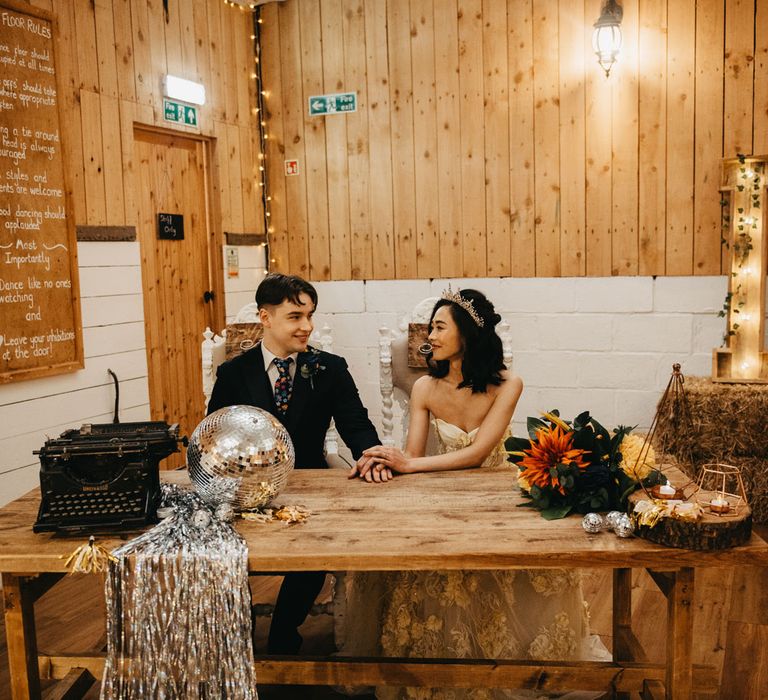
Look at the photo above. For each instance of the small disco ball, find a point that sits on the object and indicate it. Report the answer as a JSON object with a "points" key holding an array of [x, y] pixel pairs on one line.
{"points": [[624, 526], [612, 518], [592, 523], [240, 455]]}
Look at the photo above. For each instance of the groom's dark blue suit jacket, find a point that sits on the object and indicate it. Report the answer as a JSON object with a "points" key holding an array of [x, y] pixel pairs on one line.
{"points": [[329, 393]]}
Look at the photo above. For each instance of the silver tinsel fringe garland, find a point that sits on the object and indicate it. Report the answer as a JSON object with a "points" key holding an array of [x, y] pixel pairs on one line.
{"points": [[179, 610]]}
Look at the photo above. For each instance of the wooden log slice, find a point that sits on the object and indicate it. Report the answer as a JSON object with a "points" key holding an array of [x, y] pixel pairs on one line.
{"points": [[710, 532]]}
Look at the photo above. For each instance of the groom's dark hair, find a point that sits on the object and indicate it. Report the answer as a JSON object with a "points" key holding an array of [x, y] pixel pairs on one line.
{"points": [[483, 358], [276, 288]]}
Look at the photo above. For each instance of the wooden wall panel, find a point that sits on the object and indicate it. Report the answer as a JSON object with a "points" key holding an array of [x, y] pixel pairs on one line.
{"points": [[112, 56], [472, 139], [336, 153], [497, 152], [379, 140], [546, 130], [708, 135], [425, 137], [401, 124], [448, 139], [739, 76], [488, 141], [277, 147], [361, 261], [572, 192], [624, 236], [681, 62], [598, 148], [652, 170], [520, 55], [316, 173]]}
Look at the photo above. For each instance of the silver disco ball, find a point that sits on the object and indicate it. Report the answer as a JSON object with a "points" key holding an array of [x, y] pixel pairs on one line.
{"points": [[240, 455]]}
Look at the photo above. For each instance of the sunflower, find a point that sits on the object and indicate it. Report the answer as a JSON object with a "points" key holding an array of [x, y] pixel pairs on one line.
{"points": [[553, 446]]}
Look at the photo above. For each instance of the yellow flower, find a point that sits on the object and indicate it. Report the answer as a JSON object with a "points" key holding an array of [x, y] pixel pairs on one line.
{"points": [[635, 465]]}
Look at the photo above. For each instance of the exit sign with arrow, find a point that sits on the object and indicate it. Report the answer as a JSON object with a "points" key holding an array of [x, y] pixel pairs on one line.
{"points": [[332, 104]]}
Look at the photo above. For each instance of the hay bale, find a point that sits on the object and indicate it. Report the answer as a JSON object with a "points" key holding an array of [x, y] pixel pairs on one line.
{"points": [[727, 424]]}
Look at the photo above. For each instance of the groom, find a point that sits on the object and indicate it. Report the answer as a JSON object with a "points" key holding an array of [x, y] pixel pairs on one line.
{"points": [[304, 388]]}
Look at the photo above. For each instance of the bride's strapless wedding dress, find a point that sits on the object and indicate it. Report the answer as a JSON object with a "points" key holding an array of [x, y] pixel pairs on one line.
{"points": [[536, 614]]}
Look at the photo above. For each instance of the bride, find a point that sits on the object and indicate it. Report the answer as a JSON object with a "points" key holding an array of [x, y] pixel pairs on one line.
{"points": [[469, 396]]}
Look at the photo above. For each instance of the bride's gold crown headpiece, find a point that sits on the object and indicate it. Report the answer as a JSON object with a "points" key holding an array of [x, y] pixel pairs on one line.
{"points": [[465, 304]]}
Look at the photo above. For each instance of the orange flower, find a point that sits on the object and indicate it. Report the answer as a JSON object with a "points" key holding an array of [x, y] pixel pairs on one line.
{"points": [[554, 446]]}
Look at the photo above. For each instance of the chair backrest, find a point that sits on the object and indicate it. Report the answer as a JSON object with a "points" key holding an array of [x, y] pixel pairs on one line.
{"points": [[396, 377], [394, 372]]}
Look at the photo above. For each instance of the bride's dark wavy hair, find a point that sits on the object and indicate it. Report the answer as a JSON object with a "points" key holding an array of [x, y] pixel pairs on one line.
{"points": [[483, 358]]}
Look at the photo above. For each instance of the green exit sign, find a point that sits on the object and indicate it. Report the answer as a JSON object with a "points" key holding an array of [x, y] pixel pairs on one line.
{"points": [[179, 113], [333, 104]]}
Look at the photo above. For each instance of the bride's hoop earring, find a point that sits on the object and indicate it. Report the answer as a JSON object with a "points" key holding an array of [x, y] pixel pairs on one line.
{"points": [[425, 349]]}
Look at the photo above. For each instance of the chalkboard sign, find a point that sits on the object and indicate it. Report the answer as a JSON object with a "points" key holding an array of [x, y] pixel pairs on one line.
{"points": [[40, 327], [170, 226]]}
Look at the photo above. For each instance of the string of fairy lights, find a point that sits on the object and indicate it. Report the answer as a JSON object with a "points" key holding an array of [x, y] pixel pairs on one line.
{"points": [[745, 302], [260, 113]]}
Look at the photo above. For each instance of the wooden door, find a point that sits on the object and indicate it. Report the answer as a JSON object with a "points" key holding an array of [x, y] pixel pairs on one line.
{"points": [[171, 178]]}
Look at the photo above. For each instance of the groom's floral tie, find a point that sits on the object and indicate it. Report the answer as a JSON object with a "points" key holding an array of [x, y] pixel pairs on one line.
{"points": [[283, 385]]}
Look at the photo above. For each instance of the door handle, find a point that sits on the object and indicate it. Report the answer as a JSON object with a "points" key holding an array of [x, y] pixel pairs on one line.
{"points": [[208, 296]]}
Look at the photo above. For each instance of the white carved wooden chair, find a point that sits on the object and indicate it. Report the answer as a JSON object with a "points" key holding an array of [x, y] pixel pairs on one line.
{"points": [[396, 378]]}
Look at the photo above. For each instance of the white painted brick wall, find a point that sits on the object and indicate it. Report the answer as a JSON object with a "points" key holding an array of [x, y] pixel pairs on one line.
{"points": [[239, 291], [603, 344], [614, 294], [653, 333]]}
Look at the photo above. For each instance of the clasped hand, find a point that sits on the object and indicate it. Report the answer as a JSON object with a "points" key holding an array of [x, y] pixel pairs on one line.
{"points": [[379, 462]]}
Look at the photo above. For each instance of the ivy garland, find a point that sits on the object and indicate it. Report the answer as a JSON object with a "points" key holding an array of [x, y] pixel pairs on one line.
{"points": [[743, 241]]}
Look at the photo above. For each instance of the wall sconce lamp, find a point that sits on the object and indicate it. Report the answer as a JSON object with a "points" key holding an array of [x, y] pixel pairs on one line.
{"points": [[606, 39]]}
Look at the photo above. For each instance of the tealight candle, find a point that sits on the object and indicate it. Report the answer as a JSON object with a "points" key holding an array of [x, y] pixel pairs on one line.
{"points": [[719, 504]]}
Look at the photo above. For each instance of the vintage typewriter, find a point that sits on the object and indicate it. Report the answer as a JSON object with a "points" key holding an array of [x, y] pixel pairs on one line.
{"points": [[103, 477]]}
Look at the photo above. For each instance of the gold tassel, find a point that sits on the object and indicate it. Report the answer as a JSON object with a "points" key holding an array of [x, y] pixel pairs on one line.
{"points": [[286, 514], [88, 558]]}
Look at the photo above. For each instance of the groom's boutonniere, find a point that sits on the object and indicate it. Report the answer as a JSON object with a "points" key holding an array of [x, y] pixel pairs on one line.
{"points": [[311, 365]]}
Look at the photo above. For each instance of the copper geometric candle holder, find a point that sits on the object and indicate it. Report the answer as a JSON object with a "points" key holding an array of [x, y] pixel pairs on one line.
{"points": [[720, 490]]}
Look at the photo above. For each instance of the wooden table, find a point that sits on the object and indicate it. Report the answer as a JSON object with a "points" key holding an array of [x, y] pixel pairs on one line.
{"points": [[450, 520]]}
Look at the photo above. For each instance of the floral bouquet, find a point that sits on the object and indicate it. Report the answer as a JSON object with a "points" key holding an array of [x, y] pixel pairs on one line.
{"points": [[579, 466]]}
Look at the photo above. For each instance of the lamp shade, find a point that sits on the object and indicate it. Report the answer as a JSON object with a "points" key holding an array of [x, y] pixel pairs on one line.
{"points": [[606, 38]]}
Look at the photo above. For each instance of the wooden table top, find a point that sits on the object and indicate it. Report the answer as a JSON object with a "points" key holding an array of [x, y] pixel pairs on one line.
{"points": [[444, 520]]}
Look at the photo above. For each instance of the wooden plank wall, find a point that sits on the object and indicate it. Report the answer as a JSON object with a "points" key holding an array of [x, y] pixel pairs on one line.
{"points": [[487, 141], [112, 56]]}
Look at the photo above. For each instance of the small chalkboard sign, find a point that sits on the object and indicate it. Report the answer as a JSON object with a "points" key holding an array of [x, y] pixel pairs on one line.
{"points": [[170, 226]]}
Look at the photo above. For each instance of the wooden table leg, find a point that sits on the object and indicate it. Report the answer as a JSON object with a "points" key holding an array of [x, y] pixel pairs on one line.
{"points": [[622, 617], [679, 680], [20, 634]]}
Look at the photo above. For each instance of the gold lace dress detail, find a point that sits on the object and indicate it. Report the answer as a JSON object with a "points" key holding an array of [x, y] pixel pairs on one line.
{"points": [[537, 614]]}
